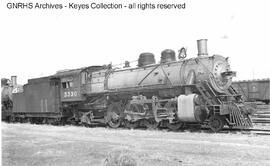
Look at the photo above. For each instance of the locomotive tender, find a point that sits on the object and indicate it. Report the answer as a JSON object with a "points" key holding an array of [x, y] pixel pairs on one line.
{"points": [[170, 93]]}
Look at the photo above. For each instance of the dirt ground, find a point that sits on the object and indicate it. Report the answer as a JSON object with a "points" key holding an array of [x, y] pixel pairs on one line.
{"points": [[42, 145]]}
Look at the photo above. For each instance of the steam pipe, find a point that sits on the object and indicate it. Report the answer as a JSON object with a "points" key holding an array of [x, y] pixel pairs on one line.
{"points": [[14, 80]]}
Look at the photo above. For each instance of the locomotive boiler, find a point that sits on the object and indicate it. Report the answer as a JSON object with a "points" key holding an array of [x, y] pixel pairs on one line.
{"points": [[215, 70], [170, 93]]}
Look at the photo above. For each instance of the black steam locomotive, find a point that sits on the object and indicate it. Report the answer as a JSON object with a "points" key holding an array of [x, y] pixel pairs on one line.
{"points": [[171, 93]]}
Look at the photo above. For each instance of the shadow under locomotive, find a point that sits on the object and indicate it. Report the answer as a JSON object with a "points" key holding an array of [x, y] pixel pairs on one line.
{"points": [[171, 93]]}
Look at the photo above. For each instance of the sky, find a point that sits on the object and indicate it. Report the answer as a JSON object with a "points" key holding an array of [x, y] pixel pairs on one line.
{"points": [[36, 43]]}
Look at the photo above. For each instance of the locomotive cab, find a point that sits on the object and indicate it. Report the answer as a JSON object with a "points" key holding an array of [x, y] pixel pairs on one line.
{"points": [[92, 79], [70, 85]]}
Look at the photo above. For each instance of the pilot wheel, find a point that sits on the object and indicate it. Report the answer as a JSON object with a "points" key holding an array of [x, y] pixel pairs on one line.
{"points": [[131, 125], [150, 124], [216, 123], [174, 126]]}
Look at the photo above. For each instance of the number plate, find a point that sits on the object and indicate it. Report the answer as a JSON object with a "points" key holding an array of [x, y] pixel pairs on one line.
{"points": [[69, 94]]}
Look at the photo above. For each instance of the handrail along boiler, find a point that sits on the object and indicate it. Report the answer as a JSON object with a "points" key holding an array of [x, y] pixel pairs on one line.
{"points": [[170, 93]]}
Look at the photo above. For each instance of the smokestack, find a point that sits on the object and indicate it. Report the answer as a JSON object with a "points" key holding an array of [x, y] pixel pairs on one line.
{"points": [[202, 47], [14, 80]]}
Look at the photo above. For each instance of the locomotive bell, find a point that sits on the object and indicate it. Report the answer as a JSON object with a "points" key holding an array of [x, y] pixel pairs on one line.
{"points": [[202, 47], [127, 64]]}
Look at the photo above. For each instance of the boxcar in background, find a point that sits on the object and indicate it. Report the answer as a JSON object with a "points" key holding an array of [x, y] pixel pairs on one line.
{"points": [[254, 90]]}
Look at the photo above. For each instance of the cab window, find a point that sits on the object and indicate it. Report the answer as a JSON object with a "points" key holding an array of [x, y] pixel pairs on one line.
{"points": [[83, 78], [67, 84]]}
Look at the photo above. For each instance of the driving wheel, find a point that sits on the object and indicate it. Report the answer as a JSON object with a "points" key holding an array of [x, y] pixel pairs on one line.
{"points": [[216, 123], [113, 117], [131, 125], [151, 123], [174, 126]]}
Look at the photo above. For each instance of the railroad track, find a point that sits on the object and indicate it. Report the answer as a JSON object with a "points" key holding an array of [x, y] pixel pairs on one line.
{"points": [[205, 129], [247, 131], [262, 115], [257, 131], [226, 130]]}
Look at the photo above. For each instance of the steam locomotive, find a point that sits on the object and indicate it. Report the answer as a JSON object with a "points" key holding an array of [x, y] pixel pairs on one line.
{"points": [[172, 93], [8, 87]]}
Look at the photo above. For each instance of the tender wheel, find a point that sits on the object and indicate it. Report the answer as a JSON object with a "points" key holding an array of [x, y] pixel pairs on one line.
{"points": [[174, 126], [12, 118], [113, 117], [216, 123], [131, 125], [151, 124]]}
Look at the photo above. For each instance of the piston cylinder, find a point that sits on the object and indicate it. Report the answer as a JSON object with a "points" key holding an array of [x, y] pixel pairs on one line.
{"points": [[189, 110], [202, 47]]}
